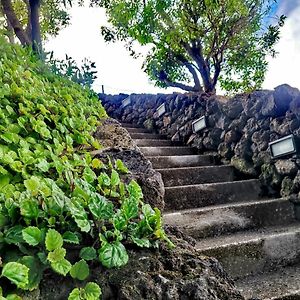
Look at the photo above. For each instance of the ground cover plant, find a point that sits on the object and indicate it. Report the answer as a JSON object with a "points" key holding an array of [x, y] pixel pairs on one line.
{"points": [[61, 210]]}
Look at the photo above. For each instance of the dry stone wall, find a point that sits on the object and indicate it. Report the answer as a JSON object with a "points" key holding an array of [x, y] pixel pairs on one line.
{"points": [[239, 129]]}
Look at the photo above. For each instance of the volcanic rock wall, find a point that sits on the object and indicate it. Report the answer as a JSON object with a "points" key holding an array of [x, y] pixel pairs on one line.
{"points": [[239, 128]]}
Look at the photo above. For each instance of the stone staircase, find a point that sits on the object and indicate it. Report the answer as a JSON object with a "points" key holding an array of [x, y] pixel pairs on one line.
{"points": [[257, 240]]}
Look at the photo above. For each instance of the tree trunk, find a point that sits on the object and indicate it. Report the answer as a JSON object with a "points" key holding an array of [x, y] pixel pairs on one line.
{"points": [[9, 28], [195, 89], [14, 22], [35, 26], [195, 53]]}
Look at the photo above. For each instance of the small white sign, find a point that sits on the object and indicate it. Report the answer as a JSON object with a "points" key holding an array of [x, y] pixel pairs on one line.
{"points": [[284, 146], [126, 102], [161, 110], [199, 124]]}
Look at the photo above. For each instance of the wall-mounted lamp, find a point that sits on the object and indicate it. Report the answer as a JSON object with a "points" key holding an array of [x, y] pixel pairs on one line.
{"points": [[161, 110], [199, 124], [284, 146], [126, 102]]}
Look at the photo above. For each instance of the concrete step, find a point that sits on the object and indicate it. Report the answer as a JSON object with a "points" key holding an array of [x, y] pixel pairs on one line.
{"points": [[147, 136], [180, 161], [283, 284], [137, 130], [130, 125], [254, 252], [167, 151], [149, 143], [196, 175], [229, 218], [200, 195]]}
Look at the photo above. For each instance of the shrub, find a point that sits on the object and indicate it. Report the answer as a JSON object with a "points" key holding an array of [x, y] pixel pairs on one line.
{"points": [[54, 196]]}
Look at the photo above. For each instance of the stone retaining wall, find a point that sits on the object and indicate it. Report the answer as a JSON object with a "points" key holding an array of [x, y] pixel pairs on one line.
{"points": [[239, 128]]}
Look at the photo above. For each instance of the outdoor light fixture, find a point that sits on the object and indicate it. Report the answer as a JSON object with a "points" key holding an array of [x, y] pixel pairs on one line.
{"points": [[285, 146], [199, 124], [161, 110], [126, 102]]}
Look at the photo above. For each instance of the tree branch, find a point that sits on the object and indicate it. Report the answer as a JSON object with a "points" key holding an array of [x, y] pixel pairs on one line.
{"points": [[14, 22], [182, 86]]}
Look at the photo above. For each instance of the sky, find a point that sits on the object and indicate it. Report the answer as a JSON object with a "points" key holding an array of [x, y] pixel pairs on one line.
{"points": [[120, 73]]}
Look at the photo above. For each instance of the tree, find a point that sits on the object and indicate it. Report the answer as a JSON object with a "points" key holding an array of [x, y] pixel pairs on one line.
{"points": [[32, 20], [203, 41]]}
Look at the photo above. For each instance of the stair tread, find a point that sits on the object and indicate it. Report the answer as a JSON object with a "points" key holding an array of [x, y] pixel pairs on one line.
{"points": [[175, 161], [281, 284], [247, 236], [194, 168], [207, 185], [148, 136], [167, 147], [150, 140], [195, 211]]}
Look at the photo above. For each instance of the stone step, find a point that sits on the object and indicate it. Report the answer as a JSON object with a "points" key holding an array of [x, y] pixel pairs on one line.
{"points": [[147, 136], [196, 175], [200, 195], [130, 125], [282, 284], [229, 218], [253, 252], [167, 151], [149, 143], [137, 130], [180, 161]]}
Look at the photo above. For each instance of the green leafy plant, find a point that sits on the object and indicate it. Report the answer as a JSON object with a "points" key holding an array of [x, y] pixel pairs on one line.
{"points": [[85, 74], [61, 209]]}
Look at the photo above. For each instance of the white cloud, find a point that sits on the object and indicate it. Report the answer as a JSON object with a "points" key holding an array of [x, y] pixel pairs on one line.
{"points": [[119, 72]]}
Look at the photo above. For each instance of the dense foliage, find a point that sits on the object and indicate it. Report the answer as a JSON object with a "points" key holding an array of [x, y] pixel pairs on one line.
{"points": [[85, 74], [200, 41], [60, 209]]}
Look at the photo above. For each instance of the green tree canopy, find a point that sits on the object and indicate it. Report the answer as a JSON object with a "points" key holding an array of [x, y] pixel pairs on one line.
{"points": [[199, 41], [30, 21]]}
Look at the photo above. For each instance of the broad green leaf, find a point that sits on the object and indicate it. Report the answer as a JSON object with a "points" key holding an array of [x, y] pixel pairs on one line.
{"points": [[4, 181], [100, 207], [57, 255], [114, 179], [143, 243], [32, 235], [79, 215], [98, 164], [92, 291], [54, 240], [42, 257], [35, 271], [135, 190], [113, 255], [43, 165], [89, 175], [14, 235], [71, 238], [10, 137], [88, 253], [12, 297], [130, 208], [62, 267], [75, 294], [119, 165], [29, 209], [17, 273], [80, 270], [33, 185], [104, 180]]}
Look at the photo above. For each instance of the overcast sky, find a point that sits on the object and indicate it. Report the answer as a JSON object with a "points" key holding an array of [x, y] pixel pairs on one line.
{"points": [[119, 72]]}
